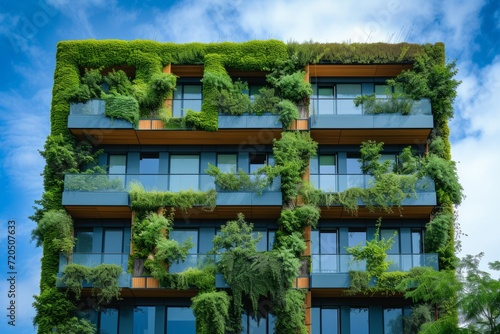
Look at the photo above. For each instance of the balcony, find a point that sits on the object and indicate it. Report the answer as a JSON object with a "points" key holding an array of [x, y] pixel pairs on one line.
{"points": [[192, 261], [93, 260], [332, 270], [106, 195], [87, 121], [415, 205], [340, 121]]}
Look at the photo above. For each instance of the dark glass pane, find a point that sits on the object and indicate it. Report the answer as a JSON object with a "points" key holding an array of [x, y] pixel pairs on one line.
{"points": [[149, 163], [84, 239], [180, 320], [227, 162], [330, 321], [144, 320], [113, 241], [257, 161], [357, 238], [108, 323], [393, 321], [359, 320]]}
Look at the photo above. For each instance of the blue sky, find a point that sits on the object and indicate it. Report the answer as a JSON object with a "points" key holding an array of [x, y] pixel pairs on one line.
{"points": [[29, 31]]}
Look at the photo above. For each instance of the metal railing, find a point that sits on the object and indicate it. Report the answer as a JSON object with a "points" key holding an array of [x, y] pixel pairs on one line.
{"points": [[344, 263]]}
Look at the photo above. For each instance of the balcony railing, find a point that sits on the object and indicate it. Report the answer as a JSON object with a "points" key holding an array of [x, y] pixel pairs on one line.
{"points": [[94, 259], [346, 106], [341, 182], [344, 263], [192, 261]]}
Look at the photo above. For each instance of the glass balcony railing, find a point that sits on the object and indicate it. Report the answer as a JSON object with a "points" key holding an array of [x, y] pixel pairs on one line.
{"points": [[342, 182], [343, 263], [159, 182], [94, 259], [122, 182], [89, 108], [192, 261], [346, 106]]}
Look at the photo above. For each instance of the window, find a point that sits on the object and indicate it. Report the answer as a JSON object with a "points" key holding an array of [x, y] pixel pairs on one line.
{"points": [[192, 258], [386, 234], [149, 168], [326, 180], [345, 96], [359, 320], [325, 104], [250, 325], [180, 320], [383, 91], [257, 161], [325, 251], [325, 320], [393, 321], [83, 240], [117, 167], [266, 241], [108, 321], [416, 242], [144, 320], [227, 162], [356, 237], [184, 172], [355, 177], [186, 96]]}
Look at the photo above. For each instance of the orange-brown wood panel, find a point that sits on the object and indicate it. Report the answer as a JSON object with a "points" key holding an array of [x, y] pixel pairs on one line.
{"points": [[380, 70], [187, 70]]}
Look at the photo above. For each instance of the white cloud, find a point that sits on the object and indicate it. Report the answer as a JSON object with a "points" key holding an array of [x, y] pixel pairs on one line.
{"points": [[24, 127], [479, 157]]}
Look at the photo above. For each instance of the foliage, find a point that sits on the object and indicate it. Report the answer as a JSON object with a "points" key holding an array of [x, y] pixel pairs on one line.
{"points": [[444, 174], [125, 107], [479, 301], [292, 87], [56, 228], [437, 232], [396, 103], [232, 100], [288, 112], [211, 310], [73, 276], [419, 315], [94, 179], [76, 326], [151, 242], [89, 88], [250, 273], [104, 280], [241, 181], [294, 242], [151, 200], [292, 154], [290, 314], [203, 279], [265, 102], [374, 253], [52, 308], [118, 83]]}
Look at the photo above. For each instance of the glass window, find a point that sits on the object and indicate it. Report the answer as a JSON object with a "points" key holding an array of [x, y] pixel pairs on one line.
{"points": [[113, 241], [345, 95], [325, 101], [184, 172], [264, 325], [108, 321], [325, 250], [393, 321], [359, 320], [180, 320], [327, 164], [355, 177], [149, 163], [387, 234], [416, 242], [356, 237], [383, 91], [144, 320], [227, 162], [117, 163], [257, 161], [192, 258], [253, 90], [84, 239], [327, 170], [330, 320], [186, 97]]}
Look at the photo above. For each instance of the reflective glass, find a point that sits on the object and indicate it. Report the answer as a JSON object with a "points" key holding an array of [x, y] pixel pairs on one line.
{"points": [[330, 321], [357, 238], [227, 162], [113, 241], [393, 321], [345, 95], [83, 242], [180, 320], [144, 320], [108, 323], [184, 164], [359, 320]]}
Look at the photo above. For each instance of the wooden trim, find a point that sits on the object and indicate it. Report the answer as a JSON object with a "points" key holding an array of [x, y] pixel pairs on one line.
{"points": [[187, 70], [341, 70], [300, 124]]}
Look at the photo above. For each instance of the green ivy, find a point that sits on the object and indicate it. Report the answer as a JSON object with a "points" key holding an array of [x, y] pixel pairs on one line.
{"points": [[211, 310], [125, 107]]}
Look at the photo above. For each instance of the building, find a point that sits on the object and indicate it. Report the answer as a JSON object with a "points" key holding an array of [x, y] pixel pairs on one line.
{"points": [[159, 114]]}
